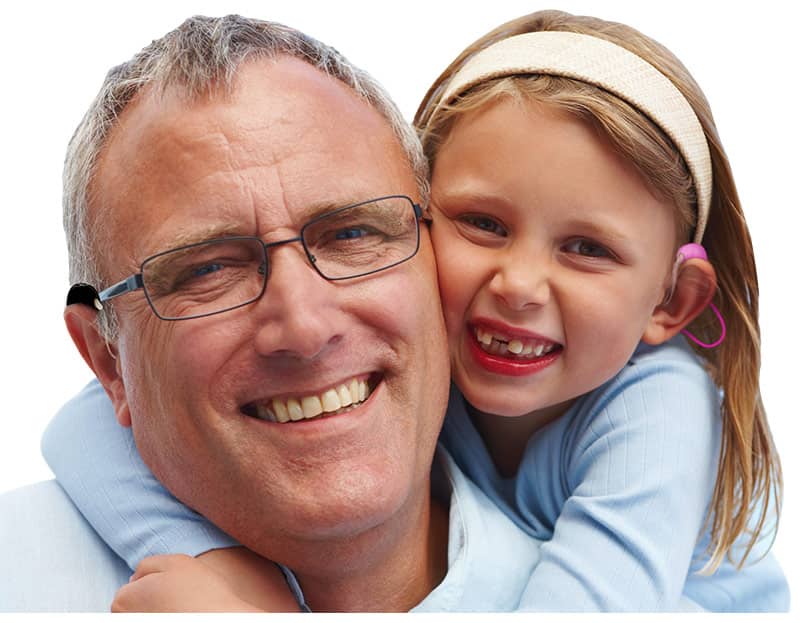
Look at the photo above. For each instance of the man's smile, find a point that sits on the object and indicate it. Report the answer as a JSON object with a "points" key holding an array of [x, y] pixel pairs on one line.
{"points": [[338, 399]]}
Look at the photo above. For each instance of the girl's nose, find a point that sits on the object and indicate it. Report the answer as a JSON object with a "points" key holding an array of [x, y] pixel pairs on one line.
{"points": [[522, 283]]}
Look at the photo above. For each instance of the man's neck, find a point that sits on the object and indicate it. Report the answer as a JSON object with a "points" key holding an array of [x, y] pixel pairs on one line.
{"points": [[391, 569]]}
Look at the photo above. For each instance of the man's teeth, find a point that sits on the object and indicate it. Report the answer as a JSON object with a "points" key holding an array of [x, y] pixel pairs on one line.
{"points": [[345, 395], [499, 344]]}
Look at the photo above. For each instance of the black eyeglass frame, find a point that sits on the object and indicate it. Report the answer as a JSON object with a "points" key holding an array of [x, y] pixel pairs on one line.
{"points": [[86, 294]]}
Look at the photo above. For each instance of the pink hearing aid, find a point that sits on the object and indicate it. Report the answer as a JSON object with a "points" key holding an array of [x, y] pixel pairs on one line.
{"points": [[693, 251]]}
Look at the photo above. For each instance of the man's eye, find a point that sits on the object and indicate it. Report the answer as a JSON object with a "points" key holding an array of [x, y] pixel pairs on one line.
{"points": [[484, 223], [211, 273], [587, 248], [350, 233], [206, 269]]}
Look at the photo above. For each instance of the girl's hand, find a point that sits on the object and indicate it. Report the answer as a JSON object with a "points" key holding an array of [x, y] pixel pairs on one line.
{"points": [[210, 583], [177, 583]]}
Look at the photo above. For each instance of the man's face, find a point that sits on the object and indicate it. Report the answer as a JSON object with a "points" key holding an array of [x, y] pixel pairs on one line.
{"points": [[289, 142]]}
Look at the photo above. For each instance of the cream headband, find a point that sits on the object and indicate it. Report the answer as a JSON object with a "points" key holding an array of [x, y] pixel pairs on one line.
{"points": [[610, 67]]}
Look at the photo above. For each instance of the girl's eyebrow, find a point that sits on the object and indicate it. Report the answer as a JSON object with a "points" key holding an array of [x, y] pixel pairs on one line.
{"points": [[470, 197], [605, 230]]}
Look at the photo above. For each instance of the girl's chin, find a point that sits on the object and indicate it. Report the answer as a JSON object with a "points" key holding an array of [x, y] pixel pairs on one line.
{"points": [[502, 408]]}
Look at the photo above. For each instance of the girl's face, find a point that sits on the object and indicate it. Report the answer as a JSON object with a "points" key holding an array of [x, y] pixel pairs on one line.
{"points": [[552, 255]]}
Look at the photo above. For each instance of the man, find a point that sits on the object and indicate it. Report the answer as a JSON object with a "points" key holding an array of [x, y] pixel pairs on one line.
{"points": [[237, 172]]}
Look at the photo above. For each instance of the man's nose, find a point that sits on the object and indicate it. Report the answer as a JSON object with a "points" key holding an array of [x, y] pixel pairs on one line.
{"points": [[298, 313], [522, 279]]}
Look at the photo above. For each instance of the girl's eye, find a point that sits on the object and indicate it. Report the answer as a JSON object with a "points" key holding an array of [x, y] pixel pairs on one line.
{"points": [[484, 223], [587, 248]]}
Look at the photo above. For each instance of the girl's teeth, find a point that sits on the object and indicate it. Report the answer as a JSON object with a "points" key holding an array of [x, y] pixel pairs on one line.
{"points": [[501, 345]]}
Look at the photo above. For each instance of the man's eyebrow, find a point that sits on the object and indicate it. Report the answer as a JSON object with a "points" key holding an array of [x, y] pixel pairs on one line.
{"points": [[315, 210], [204, 234], [223, 230]]}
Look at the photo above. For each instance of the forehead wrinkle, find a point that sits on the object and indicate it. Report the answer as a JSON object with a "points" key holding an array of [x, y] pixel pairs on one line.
{"points": [[299, 215], [278, 199]]}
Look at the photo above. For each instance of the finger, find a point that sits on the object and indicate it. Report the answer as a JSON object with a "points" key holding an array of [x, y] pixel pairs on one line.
{"points": [[157, 564], [125, 597]]}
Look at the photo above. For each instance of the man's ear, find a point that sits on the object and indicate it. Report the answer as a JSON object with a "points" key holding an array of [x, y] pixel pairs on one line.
{"points": [[99, 355], [694, 289]]}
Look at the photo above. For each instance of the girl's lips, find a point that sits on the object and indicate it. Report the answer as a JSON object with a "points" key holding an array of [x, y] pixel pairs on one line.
{"points": [[509, 366]]}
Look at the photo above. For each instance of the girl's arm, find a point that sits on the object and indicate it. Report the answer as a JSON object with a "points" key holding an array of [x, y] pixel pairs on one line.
{"points": [[96, 462], [638, 463]]}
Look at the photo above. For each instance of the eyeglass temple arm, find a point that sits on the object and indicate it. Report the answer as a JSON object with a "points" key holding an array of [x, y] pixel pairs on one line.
{"points": [[422, 214], [85, 294]]}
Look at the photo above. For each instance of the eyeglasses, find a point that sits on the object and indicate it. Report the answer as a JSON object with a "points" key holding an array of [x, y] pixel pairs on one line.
{"points": [[219, 275]]}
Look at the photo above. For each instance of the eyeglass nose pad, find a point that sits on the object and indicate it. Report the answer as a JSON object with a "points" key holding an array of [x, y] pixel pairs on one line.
{"points": [[262, 268]]}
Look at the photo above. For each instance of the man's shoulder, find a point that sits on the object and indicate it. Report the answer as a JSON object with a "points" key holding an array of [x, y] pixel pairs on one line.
{"points": [[52, 559]]}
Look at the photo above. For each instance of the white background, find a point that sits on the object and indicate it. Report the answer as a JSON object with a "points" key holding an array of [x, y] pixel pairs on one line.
{"points": [[53, 59]]}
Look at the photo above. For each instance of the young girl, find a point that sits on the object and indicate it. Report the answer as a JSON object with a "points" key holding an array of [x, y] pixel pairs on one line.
{"points": [[576, 171]]}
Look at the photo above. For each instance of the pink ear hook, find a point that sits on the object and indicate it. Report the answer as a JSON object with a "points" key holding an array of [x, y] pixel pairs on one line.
{"points": [[696, 251]]}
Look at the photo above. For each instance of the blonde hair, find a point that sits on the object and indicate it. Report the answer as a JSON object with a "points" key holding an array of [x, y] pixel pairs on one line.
{"points": [[749, 476]]}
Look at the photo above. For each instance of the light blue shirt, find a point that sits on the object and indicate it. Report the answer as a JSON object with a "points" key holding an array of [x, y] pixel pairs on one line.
{"points": [[53, 561], [618, 488]]}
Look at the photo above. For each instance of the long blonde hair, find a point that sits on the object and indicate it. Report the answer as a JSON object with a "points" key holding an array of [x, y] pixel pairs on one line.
{"points": [[749, 481]]}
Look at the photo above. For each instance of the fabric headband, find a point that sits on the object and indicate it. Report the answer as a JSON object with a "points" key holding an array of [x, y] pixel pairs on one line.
{"points": [[611, 67]]}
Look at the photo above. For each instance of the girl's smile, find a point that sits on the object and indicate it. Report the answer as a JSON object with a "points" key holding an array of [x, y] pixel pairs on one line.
{"points": [[502, 349]]}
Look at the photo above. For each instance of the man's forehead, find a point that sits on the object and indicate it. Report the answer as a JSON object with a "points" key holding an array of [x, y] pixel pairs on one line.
{"points": [[284, 124], [281, 91]]}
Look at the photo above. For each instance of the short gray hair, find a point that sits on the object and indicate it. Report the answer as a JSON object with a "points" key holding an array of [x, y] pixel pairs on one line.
{"points": [[201, 55]]}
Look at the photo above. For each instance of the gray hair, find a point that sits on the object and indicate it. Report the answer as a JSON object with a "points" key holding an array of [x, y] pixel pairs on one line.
{"points": [[200, 56]]}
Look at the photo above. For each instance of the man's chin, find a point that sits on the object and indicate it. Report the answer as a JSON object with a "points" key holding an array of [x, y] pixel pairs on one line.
{"points": [[352, 516]]}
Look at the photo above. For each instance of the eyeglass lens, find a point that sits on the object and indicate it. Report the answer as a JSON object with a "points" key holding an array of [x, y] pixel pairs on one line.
{"points": [[219, 275]]}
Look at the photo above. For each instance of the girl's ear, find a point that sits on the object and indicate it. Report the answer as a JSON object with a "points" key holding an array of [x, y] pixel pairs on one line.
{"points": [[99, 355], [694, 289]]}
